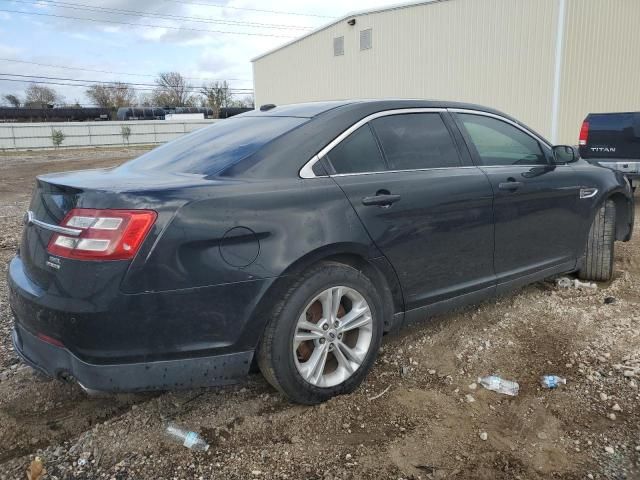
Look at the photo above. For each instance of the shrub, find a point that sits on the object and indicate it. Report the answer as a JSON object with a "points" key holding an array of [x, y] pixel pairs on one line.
{"points": [[57, 137], [125, 131]]}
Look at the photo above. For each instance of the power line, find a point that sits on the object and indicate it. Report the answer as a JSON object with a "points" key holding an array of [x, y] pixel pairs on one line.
{"points": [[86, 19], [46, 82], [102, 82], [136, 13], [300, 14], [108, 71]]}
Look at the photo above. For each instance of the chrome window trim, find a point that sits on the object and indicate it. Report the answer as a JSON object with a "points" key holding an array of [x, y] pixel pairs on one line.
{"points": [[306, 171], [407, 170], [532, 165], [504, 119], [30, 219]]}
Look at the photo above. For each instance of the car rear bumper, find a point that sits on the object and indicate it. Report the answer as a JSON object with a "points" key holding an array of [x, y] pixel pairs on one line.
{"points": [[58, 362], [135, 342], [116, 328]]}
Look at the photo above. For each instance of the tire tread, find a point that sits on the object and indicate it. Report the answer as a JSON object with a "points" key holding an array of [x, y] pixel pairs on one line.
{"points": [[599, 253]]}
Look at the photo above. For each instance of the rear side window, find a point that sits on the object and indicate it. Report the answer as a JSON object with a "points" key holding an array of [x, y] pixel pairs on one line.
{"points": [[416, 141], [499, 143], [358, 153], [213, 149]]}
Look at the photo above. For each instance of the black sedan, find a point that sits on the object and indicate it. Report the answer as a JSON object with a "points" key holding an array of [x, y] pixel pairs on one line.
{"points": [[296, 236]]}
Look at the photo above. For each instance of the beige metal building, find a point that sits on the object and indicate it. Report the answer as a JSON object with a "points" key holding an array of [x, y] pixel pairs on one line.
{"points": [[547, 62]]}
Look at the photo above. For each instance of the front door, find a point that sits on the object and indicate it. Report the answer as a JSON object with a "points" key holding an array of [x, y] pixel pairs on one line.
{"points": [[426, 208], [537, 219]]}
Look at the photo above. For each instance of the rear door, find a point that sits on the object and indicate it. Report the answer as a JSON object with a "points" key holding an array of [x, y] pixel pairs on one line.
{"points": [[537, 216], [425, 206]]}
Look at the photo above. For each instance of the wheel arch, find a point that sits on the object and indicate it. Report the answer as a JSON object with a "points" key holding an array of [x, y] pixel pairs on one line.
{"points": [[624, 220], [378, 270]]}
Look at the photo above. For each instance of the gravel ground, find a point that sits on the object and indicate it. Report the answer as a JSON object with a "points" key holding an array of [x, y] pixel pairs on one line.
{"points": [[429, 421]]}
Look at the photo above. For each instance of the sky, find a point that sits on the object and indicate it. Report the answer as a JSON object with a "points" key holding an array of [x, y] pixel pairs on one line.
{"points": [[132, 41]]}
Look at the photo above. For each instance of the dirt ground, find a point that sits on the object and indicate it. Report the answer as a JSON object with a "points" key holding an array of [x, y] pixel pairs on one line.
{"points": [[428, 421]]}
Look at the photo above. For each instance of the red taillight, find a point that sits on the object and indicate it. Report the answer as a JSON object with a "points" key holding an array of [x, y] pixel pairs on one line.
{"points": [[584, 133], [104, 234]]}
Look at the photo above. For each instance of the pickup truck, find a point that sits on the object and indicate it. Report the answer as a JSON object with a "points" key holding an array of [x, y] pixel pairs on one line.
{"points": [[613, 140]]}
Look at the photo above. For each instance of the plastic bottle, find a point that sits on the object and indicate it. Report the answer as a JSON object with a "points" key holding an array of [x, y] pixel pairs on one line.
{"points": [[185, 437], [500, 385], [552, 381]]}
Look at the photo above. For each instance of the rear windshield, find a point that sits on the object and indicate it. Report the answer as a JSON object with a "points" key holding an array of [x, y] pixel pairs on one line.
{"points": [[212, 149]]}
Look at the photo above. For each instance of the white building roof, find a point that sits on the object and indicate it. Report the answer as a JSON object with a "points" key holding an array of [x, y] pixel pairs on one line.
{"points": [[349, 15]]}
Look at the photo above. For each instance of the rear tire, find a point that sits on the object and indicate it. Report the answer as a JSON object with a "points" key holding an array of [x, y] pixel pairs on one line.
{"points": [[347, 347], [599, 254]]}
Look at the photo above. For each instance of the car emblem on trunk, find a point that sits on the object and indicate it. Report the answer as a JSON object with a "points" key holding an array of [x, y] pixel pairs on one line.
{"points": [[53, 262]]}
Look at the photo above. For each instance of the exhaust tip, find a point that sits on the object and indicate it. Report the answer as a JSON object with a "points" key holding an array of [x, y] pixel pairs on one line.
{"points": [[67, 377]]}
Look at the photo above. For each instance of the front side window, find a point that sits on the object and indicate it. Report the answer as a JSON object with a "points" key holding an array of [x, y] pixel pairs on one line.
{"points": [[499, 143], [358, 153], [416, 141]]}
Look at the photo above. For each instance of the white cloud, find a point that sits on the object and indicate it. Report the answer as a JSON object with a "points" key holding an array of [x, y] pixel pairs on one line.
{"points": [[104, 45]]}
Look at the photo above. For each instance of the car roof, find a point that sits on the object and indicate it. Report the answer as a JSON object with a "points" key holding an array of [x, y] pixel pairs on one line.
{"points": [[314, 109], [302, 110]]}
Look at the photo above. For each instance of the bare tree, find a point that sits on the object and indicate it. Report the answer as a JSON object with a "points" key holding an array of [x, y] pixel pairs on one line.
{"points": [[13, 100], [217, 95], [245, 102], [41, 96], [173, 90], [146, 100], [112, 95]]}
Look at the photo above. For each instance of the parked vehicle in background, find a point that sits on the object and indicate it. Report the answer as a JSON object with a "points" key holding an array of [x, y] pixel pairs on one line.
{"points": [[59, 114], [159, 113], [613, 140], [297, 235]]}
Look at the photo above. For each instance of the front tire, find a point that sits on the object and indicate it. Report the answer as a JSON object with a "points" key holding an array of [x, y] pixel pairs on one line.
{"points": [[323, 336], [598, 265]]}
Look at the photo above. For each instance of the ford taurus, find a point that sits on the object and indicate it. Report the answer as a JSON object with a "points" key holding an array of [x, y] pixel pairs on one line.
{"points": [[293, 237]]}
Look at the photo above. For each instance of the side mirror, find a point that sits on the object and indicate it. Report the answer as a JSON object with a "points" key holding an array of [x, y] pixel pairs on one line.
{"points": [[563, 154]]}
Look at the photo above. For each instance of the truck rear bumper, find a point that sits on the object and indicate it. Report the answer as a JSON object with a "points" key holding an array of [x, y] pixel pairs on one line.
{"points": [[630, 168], [58, 362]]}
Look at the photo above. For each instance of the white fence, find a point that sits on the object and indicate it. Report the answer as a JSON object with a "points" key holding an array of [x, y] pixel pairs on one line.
{"points": [[25, 136]]}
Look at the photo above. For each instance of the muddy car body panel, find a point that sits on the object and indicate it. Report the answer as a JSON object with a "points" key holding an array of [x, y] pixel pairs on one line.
{"points": [[245, 206]]}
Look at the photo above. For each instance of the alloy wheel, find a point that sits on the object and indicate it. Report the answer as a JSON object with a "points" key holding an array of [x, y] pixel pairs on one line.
{"points": [[333, 336]]}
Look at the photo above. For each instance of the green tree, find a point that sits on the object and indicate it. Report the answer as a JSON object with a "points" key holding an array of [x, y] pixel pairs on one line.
{"points": [[57, 137]]}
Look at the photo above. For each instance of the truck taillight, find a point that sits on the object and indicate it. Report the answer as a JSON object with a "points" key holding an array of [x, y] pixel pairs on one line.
{"points": [[104, 234], [584, 133]]}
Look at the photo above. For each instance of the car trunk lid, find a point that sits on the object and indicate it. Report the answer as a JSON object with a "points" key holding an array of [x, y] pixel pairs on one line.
{"points": [[56, 195]]}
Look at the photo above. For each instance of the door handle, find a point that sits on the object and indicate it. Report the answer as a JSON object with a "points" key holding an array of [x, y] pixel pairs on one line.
{"points": [[382, 200], [510, 186]]}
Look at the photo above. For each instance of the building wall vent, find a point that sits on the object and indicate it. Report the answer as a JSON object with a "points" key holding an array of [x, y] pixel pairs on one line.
{"points": [[338, 46], [365, 39]]}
